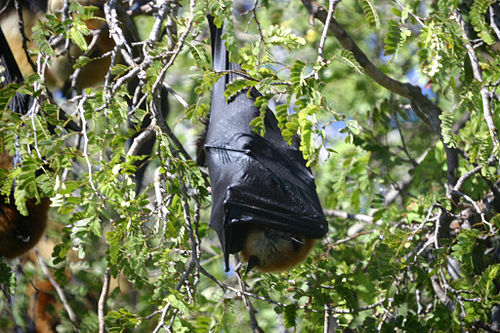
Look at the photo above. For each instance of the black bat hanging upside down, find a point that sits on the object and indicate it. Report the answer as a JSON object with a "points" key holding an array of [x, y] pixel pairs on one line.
{"points": [[264, 200]]}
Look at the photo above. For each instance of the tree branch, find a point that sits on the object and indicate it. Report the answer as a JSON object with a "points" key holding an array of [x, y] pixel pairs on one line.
{"points": [[345, 215], [407, 90], [102, 302], [254, 324], [60, 292], [476, 70]]}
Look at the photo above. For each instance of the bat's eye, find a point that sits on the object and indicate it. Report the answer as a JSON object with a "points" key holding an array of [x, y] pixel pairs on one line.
{"points": [[22, 235]]}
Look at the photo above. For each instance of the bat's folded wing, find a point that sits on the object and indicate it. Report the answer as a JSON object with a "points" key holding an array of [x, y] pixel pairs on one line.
{"points": [[253, 182]]}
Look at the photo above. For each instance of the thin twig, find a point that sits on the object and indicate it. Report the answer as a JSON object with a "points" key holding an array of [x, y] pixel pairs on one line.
{"points": [[403, 183], [418, 19], [142, 138], [161, 204], [86, 139], [59, 291], [116, 32], [345, 215], [350, 238], [254, 324], [476, 70], [155, 33], [407, 90], [331, 8], [466, 176], [492, 21], [179, 98], [440, 293], [164, 311], [385, 315], [256, 19], [102, 301], [320, 59], [478, 210], [403, 141], [326, 320]]}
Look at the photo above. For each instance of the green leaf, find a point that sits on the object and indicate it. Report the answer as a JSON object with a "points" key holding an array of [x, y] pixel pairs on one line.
{"points": [[395, 38], [290, 315], [487, 280], [347, 57], [477, 16], [177, 303], [7, 277], [370, 13], [199, 55], [396, 11], [278, 35], [119, 69], [20, 199], [296, 73], [77, 33], [237, 86], [447, 120]]}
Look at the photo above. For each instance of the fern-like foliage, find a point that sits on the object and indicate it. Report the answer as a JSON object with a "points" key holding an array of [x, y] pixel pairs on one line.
{"points": [[477, 16], [370, 13], [348, 58], [237, 86], [296, 74], [430, 52], [445, 6], [284, 37], [306, 128], [446, 128], [484, 154], [258, 122], [78, 29], [395, 38], [486, 282], [199, 54]]}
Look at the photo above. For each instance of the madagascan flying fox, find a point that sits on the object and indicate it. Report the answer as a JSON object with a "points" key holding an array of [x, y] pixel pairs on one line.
{"points": [[264, 200], [57, 76], [60, 71], [18, 233]]}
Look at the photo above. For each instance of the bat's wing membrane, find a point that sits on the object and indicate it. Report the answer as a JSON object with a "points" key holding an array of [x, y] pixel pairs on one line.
{"points": [[255, 183], [19, 103]]}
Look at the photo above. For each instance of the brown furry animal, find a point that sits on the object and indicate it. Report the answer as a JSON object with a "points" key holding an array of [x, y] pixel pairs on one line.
{"points": [[20, 233]]}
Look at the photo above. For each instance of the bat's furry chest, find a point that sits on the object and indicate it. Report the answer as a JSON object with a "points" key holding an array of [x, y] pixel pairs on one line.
{"points": [[273, 250]]}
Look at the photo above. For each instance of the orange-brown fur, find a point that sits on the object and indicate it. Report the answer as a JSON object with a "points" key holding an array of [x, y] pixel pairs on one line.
{"points": [[93, 73], [20, 233], [275, 250], [58, 74], [43, 306], [10, 27]]}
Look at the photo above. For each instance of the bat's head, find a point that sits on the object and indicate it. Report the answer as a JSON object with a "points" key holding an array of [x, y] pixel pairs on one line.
{"points": [[271, 250], [20, 233]]}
